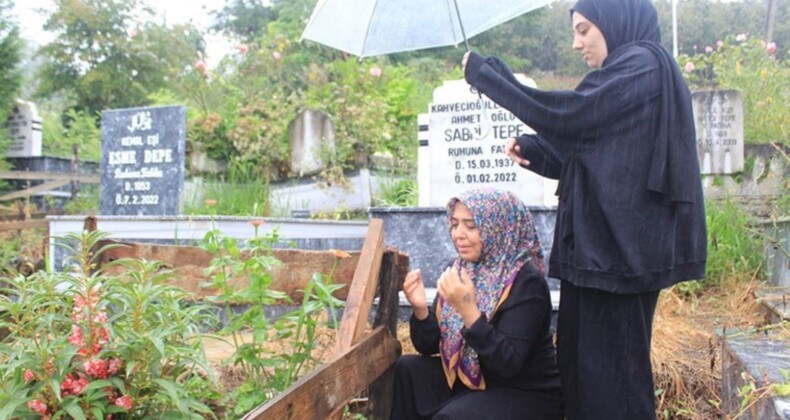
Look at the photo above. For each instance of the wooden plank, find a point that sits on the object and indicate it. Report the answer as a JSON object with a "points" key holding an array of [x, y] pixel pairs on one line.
{"points": [[33, 224], [34, 190], [49, 176], [327, 388], [189, 263], [363, 287], [394, 267]]}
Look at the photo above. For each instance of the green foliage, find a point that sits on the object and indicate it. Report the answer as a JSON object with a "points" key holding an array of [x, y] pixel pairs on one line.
{"points": [[734, 247], [267, 372], [107, 56], [750, 66], [244, 192], [85, 344], [87, 201], [10, 57], [397, 192], [81, 129]]}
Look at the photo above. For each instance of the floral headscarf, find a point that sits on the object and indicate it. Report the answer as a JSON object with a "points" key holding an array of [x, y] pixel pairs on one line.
{"points": [[509, 240]]}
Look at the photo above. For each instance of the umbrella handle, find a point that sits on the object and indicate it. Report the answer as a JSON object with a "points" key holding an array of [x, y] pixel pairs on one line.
{"points": [[461, 23]]}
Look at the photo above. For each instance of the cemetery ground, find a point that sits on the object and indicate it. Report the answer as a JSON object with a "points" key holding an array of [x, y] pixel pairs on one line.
{"points": [[687, 349]]}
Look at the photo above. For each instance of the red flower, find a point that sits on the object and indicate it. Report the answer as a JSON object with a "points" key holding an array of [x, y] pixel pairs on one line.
{"points": [[96, 368], [87, 352], [71, 386], [771, 48], [29, 376], [38, 406], [124, 402], [243, 48]]}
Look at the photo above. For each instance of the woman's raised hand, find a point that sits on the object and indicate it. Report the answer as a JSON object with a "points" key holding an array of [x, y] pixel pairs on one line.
{"points": [[514, 152], [459, 292], [415, 293]]}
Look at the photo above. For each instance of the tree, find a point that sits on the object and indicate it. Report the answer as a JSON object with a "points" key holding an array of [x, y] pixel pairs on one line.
{"points": [[246, 19], [110, 54], [10, 56]]}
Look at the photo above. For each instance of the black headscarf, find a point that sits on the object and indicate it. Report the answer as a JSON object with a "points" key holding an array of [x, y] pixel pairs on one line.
{"points": [[674, 165]]}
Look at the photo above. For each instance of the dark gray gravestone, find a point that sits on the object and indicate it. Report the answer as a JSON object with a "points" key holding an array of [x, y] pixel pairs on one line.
{"points": [[423, 233], [142, 161]]}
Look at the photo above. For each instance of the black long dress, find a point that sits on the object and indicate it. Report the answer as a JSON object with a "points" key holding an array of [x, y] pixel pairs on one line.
{"points": [[517, 359]]}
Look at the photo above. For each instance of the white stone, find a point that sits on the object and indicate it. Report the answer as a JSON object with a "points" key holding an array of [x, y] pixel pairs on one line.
{"points": [[309, 134], [24, 128], [466, 138], [718, 119]]}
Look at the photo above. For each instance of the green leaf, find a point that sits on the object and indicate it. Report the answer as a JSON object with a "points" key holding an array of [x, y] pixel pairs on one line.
{"points": [[75, 411]]}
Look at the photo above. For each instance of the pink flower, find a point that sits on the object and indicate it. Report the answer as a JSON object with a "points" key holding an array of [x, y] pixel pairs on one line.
{"points": [[770, 48], [708, 49], [38, 406], [375, 71], [131, 32], [257, 222], [200, 65], [719, 43], [689, 67], [277, 56], [100, 317], [124, 402], [243, 48], [75, 338], [82, 301], [114, 366], [29, 376], [96, 368]]}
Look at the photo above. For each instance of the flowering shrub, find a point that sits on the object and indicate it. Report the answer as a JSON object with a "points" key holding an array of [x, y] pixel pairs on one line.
{"points": [[749, 65], [86, 345]]}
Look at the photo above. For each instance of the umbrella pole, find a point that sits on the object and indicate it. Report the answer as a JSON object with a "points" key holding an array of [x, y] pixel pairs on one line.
{"points": [[460, 22]]}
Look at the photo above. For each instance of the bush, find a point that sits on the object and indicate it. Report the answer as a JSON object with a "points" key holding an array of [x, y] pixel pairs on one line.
{"points": [[86, 345], [748, 65]]}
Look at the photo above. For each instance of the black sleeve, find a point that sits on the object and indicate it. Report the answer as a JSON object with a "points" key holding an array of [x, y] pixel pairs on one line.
{"points": [[567, 114], [425, 334], [522, 323], [543, 159]]}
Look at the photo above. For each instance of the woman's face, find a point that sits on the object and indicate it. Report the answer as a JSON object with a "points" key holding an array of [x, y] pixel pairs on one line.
{"points": [[589, 41], [465, 234]]}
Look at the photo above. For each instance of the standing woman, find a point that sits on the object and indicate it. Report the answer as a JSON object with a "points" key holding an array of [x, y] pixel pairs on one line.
{"points": [[489, 325], [631, 218]]}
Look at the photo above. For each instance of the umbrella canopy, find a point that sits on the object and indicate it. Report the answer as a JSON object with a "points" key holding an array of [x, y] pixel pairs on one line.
{"points": [[375, 27]]}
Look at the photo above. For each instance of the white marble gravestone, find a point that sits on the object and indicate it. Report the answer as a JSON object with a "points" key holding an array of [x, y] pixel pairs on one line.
{"points": [[24, 128], [718, 119], [462, 146], [308, 134]]}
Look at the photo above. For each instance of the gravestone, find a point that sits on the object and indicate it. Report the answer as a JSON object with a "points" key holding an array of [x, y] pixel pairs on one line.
{"points": [[718, 119], [309, 134], [142, 161], [24, 128], [466, 138]]}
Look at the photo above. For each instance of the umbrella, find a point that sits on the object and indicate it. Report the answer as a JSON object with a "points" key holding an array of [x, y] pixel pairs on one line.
{"points": [[376, 27]]}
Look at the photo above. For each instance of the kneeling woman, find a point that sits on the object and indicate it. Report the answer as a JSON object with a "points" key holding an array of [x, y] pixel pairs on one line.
{"points": [[489, 324]]}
